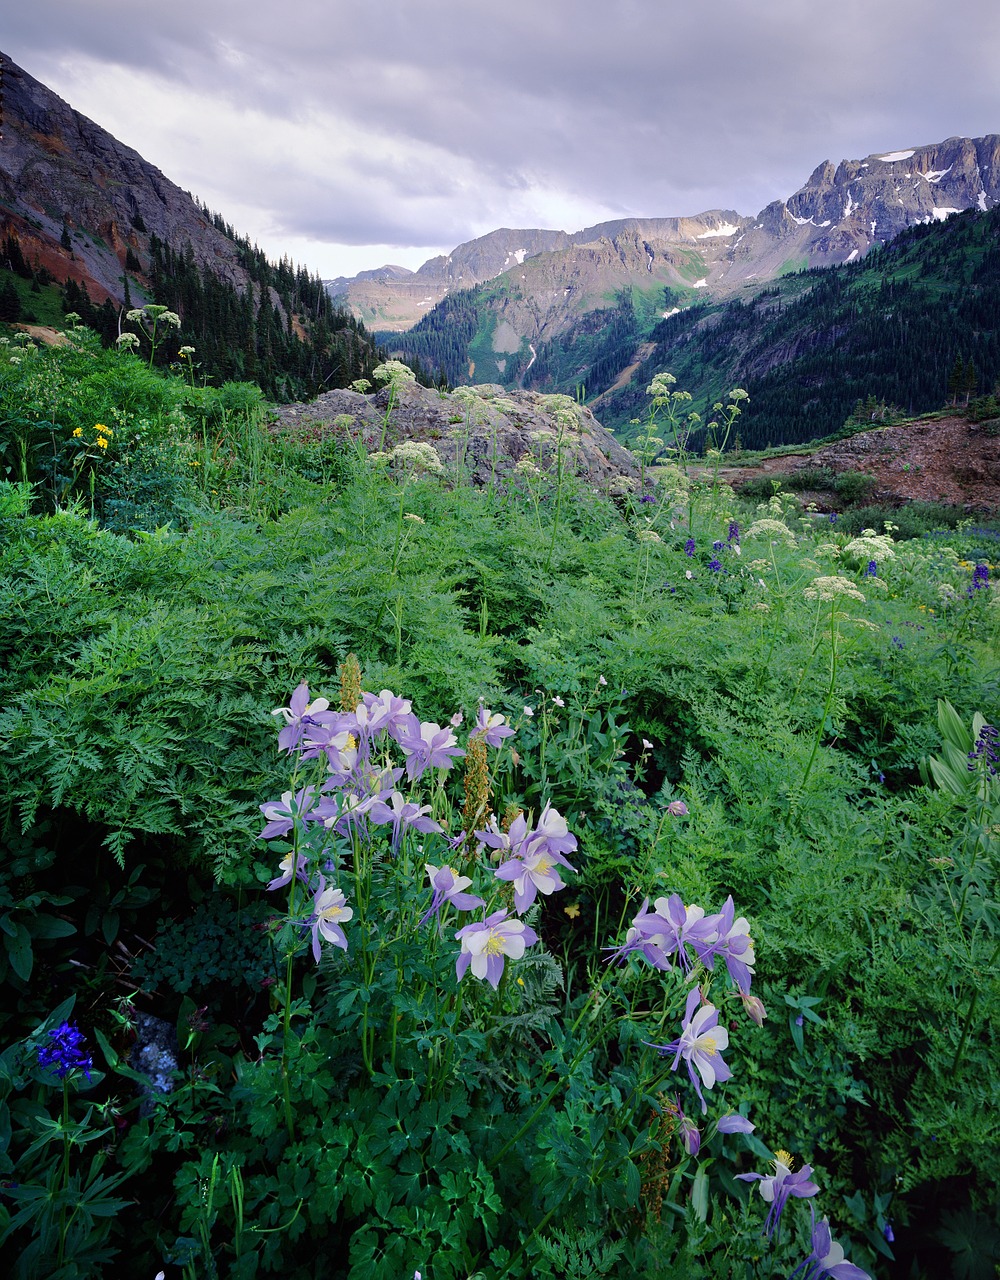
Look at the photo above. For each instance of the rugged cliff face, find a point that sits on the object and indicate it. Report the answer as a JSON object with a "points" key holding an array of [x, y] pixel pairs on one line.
{"points": [[63, 178]]}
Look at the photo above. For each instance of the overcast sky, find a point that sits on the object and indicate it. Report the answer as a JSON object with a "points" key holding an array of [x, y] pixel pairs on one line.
{"points": [[349, 133]]}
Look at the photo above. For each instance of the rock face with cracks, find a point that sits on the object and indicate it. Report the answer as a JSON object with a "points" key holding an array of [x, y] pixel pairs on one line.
{"points": [[481, 432]]}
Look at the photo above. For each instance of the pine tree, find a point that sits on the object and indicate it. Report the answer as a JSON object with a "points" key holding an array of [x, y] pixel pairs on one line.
{"points": [[956, 379], [969, 380]]}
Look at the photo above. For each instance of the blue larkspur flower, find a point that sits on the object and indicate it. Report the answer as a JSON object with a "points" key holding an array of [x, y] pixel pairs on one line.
{"points": [[64, 1053]]}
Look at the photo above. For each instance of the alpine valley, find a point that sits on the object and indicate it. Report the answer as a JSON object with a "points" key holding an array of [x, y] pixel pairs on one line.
{"points": [[869, 280]]}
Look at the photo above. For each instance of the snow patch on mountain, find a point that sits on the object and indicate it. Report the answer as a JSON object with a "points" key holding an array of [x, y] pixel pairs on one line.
{"points": [[727, 229], [893, 156]]}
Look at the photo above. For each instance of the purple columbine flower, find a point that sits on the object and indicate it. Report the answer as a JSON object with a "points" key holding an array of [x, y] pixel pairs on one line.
{"points": [[299, 713], [427, 746], [700, 1044], [734, 944], [735, 1124], [687, 926], [776, 1189], [486, 942], [285, 867], [63, 1052], [827, 1257], [689, 1131], [381, 712], [649, 934], [492, 728], [689, 547], [402, 814], [329, 913], [449, 886], [532, 873], [282, 814]]}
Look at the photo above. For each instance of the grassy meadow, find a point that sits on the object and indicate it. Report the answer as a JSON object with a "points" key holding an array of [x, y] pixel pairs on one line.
{"points": [[734, 906]]}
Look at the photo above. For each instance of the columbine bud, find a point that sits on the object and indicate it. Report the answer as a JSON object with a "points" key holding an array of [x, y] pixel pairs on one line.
{"points": [[754, 1008]]}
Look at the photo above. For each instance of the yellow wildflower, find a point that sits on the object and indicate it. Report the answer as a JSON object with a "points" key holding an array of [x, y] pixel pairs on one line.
{"points": [[77, 432], [101, 442]]}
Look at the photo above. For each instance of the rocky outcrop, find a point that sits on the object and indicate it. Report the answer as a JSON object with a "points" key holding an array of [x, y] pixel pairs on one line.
{"points": [[479, 433]]}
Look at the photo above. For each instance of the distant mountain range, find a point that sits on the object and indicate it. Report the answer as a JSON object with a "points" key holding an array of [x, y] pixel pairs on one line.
{"points": [[550, 278], [723, 300]]}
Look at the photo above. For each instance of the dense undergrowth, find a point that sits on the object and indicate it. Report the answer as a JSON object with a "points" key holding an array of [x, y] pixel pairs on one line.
{"points": [[721, 701]]}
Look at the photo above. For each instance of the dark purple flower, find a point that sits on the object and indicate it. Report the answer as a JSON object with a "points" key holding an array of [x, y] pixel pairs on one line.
{"points": [[715, 565], [888, 1232], [734, 532], [985, 751], [898, 643], [647, 497], [63, 1053], [689, 547], [872, 570], [718, 545], [833, 518], [777, 1188]]}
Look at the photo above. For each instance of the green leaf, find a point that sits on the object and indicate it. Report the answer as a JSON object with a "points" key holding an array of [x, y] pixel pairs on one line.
{"points": [[19, 951]]}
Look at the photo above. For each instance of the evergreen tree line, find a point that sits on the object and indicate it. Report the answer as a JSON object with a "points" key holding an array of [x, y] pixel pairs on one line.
{"points": [[438, 344], [240, 336]]}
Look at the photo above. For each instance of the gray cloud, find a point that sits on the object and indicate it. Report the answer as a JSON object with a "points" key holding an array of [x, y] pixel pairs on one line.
{"points": [[445, 119]]}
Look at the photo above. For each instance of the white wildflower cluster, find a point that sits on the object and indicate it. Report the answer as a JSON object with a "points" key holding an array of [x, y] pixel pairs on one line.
{"points": [[414, 455], [832, 587], [648, 535], [871, 546], [526, 467], [672, 483], [772, 530], [394, 372]]}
